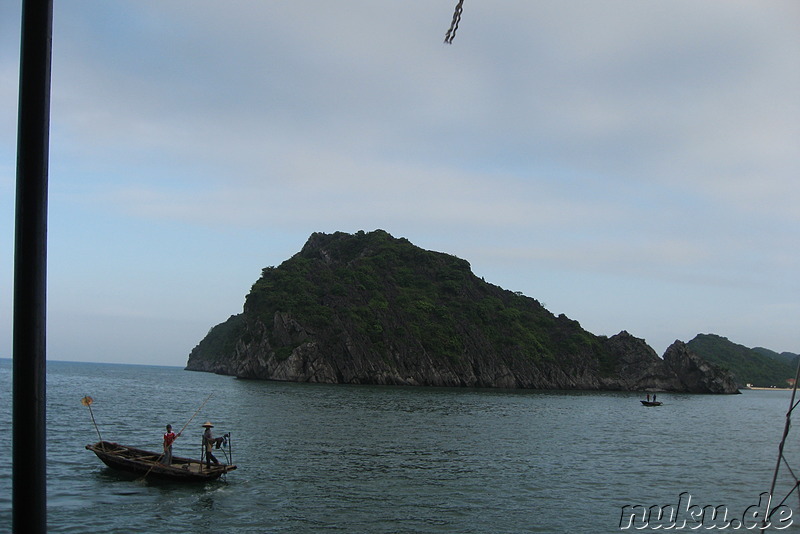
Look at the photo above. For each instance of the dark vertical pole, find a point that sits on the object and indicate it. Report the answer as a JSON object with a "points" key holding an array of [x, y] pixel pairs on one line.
{"points": [[30, 270]]}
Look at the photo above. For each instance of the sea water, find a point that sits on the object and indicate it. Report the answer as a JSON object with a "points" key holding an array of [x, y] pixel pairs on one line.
{"points": [[369, 459]]}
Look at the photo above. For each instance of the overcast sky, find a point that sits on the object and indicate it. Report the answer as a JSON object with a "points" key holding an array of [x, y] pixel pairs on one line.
{"points": [[633, 164]]}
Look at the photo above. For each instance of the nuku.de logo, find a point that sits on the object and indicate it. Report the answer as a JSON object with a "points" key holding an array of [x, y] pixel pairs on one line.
{"points": [[686, 515]]}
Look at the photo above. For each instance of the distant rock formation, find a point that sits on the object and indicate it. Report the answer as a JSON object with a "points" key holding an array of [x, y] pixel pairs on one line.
{"points": [[696, 374], [757, 366], [372, 309]]}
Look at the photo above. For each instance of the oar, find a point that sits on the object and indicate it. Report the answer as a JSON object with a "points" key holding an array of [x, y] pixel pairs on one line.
{"points": [[179, 433], [87, 401]]}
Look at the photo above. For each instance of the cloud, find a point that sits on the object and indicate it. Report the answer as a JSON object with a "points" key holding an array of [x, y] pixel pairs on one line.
{"points": [[620, 143]]}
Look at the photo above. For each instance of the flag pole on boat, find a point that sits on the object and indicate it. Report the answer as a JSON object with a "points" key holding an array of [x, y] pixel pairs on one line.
{"points": [[87, 401]]}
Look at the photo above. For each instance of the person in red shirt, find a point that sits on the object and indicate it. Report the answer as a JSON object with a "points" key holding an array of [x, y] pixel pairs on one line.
{"points": [[169, 438]]}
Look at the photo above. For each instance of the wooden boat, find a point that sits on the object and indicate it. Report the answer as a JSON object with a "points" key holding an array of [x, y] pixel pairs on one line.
{"points": [[146, 463], [651, 403]]}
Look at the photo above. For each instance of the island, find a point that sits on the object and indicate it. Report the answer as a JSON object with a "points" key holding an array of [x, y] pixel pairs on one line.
{"points": [[369, 308]]}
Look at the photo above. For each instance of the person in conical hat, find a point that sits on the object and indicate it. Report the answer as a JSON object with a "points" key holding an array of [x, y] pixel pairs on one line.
{"points": [[208, 443]]}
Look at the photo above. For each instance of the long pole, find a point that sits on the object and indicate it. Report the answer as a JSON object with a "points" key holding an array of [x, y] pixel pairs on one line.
{"points": [[179, 433], [194, 414], [87, 401], [29, 494]]}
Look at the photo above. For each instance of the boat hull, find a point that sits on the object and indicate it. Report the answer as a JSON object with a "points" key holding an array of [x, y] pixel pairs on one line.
{"points": [[651, 403], [146, 463]]}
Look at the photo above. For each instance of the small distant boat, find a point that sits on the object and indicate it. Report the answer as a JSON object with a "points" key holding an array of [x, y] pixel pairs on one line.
{"points": [[148, 463], [651, 403]]}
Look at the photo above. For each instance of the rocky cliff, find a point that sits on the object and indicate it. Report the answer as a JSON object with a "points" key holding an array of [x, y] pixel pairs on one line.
{"points": [[758, 366], [695, 374], [372, 309]]}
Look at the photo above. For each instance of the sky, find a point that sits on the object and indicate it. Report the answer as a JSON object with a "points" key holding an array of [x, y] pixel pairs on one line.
{"points": [[632, 164]]}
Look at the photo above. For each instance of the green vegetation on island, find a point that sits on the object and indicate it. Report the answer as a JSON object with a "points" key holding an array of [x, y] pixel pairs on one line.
{"points": [[757, 366], [371, 308], [388, 291]]}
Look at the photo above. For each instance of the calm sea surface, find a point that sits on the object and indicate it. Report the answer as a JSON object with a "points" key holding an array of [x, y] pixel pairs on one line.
{"points": [[363, 459]]}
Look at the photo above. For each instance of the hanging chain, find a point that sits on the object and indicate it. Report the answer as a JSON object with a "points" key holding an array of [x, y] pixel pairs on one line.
{"points": [[451, 33]]}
